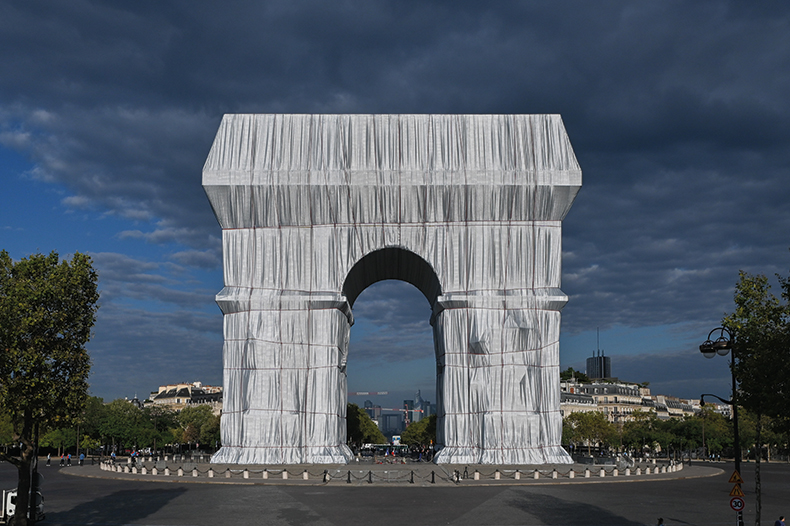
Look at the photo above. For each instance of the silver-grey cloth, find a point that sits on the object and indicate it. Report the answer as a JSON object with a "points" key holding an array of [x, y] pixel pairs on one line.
{"points": [[468, 208]]}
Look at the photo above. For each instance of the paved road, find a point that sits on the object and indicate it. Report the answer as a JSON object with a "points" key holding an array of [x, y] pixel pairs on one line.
{"points": [[74, 500]]}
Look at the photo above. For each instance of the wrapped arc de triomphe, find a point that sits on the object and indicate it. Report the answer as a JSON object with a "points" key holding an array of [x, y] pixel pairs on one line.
{"points": [[467, 208]]}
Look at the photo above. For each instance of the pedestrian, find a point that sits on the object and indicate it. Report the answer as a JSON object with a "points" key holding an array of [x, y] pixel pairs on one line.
{"points": [[781, 521], [68, 459], [82, 458], [62, 459], [660, 522], [49, 458]]}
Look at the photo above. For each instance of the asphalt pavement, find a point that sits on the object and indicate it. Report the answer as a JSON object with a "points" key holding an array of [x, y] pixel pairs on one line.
{"points": [[692, 497]]}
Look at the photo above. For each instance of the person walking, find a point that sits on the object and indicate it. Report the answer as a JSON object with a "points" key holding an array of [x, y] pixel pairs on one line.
{"points": [[781, 521], [49, 458]]}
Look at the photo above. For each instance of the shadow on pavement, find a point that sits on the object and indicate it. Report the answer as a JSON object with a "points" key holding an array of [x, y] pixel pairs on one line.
{"points": [[121, 507], [551, 510]]}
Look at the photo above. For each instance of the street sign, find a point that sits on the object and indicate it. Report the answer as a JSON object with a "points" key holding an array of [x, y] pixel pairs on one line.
{"points": [[737, 504], [736, 478], [737, 491]]}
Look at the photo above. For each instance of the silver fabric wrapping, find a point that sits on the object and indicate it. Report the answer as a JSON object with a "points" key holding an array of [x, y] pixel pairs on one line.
{"points": [[468, 208]]}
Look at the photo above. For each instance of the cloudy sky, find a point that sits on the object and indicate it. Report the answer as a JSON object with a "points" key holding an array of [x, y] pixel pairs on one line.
{"points": [[677, 111]]}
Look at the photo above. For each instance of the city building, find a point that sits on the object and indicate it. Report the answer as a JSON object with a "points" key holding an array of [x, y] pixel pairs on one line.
{"points": [[179, 396], [576, 403], [616, 400], [599, 366], [620, 400]]}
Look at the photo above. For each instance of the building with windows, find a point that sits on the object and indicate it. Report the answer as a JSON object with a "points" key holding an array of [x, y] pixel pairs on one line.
{"points": [[179, 396], [599, 366], [576, 403], [616, 400]]}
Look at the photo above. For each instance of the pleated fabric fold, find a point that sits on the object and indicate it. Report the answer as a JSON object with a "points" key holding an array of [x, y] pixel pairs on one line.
{"points": [[468, 208]]}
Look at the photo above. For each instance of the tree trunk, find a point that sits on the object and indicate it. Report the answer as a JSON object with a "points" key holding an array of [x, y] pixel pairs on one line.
{"points": [[24, 467], [758, 457]]}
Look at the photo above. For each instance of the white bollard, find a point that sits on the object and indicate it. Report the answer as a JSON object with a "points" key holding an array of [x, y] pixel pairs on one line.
{"points": [[265, 474], [518, 475], [615, 472], [602, 473], [154, 471], [571, 474], [167, 472], [536, 475], [477, 475], [496, 475], [304, 475], [554, 474], [180, 472], [586, 473], [285, 474], [627, 472], [194, 472], [210, 473], [246, 474]]}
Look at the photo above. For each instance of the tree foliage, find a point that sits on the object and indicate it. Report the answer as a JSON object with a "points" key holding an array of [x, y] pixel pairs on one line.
{"points": [[360, 429], [569, 373], [760, 327], [47, 310], [590, 428], [421, 433]]}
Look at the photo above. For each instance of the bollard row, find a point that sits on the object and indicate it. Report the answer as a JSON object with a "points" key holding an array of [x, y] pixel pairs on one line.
{"points": [[411, 477]]}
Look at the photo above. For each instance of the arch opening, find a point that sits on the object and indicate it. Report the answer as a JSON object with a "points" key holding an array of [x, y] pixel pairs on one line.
{"points": [[392, 263]]}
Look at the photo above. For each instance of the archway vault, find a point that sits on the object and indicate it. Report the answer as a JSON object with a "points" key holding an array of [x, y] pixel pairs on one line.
{"points": [[467, 208], [392, 263]]}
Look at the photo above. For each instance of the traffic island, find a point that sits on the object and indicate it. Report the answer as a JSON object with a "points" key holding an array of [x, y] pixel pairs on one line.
{"points": [[408, 474]]}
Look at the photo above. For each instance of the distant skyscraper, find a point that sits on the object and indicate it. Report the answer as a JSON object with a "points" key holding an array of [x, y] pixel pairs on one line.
{"points": [[419, 404], [599, 366]]}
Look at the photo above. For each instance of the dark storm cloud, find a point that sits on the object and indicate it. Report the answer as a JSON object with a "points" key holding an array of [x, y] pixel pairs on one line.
{"points": [[677, 111]]}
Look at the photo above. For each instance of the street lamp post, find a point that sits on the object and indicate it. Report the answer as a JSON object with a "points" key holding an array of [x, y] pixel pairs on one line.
{"points": [[721, 346]]}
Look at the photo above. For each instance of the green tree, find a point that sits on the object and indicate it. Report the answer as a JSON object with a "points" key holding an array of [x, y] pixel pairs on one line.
{"points": [[591, 428], [210, 431], [60, 438], [422, 433], [161, 421], [759, 328], [47, 310], [716, 428], [192, 420], [360, 429], [121, 423], [569, 373]]}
